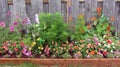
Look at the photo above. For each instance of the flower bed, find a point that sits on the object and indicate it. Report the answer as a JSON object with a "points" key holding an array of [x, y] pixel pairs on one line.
{"points": [[51, 37], [64, 62]]}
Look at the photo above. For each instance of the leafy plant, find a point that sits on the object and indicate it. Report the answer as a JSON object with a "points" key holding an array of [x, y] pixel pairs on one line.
{"points": [[52, 28]]}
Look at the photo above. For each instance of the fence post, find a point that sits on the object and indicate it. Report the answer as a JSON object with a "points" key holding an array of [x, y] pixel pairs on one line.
{"points": [[90, 8], [19, 8], [37, 7], [54, 6], [4, 11]]}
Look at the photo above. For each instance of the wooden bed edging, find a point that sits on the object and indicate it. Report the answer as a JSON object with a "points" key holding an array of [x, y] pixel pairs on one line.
{"points": [[63, 62]]}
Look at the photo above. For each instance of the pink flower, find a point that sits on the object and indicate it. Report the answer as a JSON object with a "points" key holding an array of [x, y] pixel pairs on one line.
{"points": [[22, 44], [5, 48], [11, 28], [15, 49], [24, 21], [14, 44], [2, 24], [15, 23], [95, 39]]}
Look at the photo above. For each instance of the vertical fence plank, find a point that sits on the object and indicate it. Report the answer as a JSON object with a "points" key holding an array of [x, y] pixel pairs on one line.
{"points": [[90, 7], [109, 10], [118, 16], [37, 7], [3, 11], [19, 8], [29, 12], [54, 6], [82, 8], [74, 9], [11, 16], [46, 8], [64, 11]]}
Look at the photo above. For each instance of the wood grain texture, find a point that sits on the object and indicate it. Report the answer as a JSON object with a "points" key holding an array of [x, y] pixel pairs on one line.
{"points": [[90, 8], [74, 9], [54, 6], [4, 11], [19, 10], [64, 62], [37, 7], [109, 10]]}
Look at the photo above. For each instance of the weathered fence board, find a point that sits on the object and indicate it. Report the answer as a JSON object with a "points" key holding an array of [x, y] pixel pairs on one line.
{"points": [[37, 7], [82, 8], [3, 11], [63, 11], [90, 7], [118, 16], [19, 8], [74, 9], [46, 8], [69, 9], [109, 10], [54, 6]]}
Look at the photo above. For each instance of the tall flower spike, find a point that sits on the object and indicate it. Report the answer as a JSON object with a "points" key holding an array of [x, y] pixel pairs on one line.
{"points": [[36, 18]]}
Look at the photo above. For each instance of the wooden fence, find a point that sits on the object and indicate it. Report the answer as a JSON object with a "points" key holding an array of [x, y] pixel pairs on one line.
{"points": [[9, 9]]}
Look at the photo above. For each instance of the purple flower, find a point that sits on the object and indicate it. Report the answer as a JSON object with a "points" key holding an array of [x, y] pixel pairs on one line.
{"points": [[11, 28], [69, 11], [28, 21], [10, 52], [2, 24], [28, 53], [77, 56], [15, 23]]}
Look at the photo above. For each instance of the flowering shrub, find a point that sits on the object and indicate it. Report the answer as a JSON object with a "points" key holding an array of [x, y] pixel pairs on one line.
{"points": [[52, 38]]}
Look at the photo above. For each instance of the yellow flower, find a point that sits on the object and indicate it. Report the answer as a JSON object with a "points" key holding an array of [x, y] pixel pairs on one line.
{"points": [[34, 43], [38, 39], [38, 47], [30, 48], [41, 48]]}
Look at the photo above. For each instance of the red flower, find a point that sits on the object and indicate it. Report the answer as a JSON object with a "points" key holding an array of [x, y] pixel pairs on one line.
{"points": [[22, 44], [109, 41], [14, 44], [104, 53], [15, 49]]}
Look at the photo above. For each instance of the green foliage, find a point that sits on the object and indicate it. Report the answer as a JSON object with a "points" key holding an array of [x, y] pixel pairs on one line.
{"points": [[81, 29], [52, 28]]}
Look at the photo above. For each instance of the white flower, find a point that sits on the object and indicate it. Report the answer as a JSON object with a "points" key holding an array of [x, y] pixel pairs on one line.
{"points": [[108, 46], [37, 25], [36, 18], [99, 44], [111, 51]]}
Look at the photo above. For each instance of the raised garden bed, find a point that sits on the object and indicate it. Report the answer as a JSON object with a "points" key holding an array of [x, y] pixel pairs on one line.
{"points": [[64, 62]]}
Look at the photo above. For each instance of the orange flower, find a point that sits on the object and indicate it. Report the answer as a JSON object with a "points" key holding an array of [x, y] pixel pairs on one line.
{"points": [[99, 9], [108, 28], [93, 19], [76, 47], [92, 52], [89, 26], [70, 18], [112, 18], [81, 16]]}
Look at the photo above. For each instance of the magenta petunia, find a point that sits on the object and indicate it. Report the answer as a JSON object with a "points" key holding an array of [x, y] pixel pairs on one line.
{"points": [[12, 28], [2, 24], [15, 23]]}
